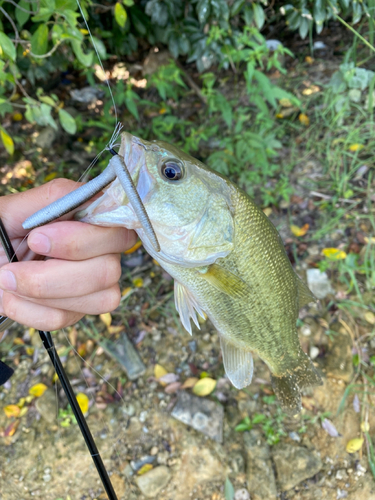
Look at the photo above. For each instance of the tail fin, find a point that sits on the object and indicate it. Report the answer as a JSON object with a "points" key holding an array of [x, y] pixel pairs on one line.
{"points": [[288, 386]]}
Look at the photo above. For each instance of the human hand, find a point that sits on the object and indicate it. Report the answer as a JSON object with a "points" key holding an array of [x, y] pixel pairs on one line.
{"points": [[82, 270]]}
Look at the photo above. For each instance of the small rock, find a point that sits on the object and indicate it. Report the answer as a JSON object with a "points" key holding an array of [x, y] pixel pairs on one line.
{"points": [[118, 485], [202, 414], [295, 464], [154, 481], [242, 494], [86, 95], [126, 354], [314, 352], [341, 474], [319, 283], [154, 450], [138, 464], [338, 360], [46, 406], [260, 477], [341, 494]]}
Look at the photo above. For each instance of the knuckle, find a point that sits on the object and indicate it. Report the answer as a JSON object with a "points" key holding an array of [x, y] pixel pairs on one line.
{"points": [[111, 270]]}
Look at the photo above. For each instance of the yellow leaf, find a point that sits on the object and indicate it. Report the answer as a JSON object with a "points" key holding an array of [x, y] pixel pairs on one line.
{"points": [[365, 426], [313, 89], [369, 240], [126, 291], [50, 176], [134, 247], [21, 402], [23, 411], [29, 399], [285, 102], [7, 141], [299, 231], [37, 390], [309, 59], [334, 253], [304, 119], [12, 411], [138, 282], [189, 383], [30, 350], [55, 378], [159, 371], [18, 341], [204, 375], [204, 386], [162, 111], [17, 117], [83, 31], [280, 116], [106, 318], [354, 445], [145, 468], [83, 402], [356, 147], [370, 317], [115, 329]]}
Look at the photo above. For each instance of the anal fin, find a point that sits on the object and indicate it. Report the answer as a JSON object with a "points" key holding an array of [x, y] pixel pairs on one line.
{"points": [[186, 305], [238, 364]]}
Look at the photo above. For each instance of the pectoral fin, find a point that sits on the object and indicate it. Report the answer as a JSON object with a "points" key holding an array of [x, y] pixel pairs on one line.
{"points": [[238, 364], [225, 281], [186, 306]]}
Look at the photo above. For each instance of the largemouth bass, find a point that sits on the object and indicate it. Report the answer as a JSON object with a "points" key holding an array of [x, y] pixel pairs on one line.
{"points": [[226, 257]]}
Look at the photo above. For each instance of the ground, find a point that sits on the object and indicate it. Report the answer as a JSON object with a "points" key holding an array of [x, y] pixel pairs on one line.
{"points": [[149, 452]]}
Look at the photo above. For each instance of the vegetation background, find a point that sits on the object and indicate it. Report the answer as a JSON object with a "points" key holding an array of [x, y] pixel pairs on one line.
{"points": [[279, 97]]}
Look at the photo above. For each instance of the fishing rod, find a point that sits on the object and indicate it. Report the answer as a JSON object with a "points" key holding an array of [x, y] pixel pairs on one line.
{"points": [[6, 372]]}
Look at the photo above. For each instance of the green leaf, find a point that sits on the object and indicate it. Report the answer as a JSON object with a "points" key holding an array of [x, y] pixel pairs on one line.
{"points": [[128, 3], [120, 14], [7, 141], [228, 490], [85, 59], [131, 105], [100, 47], [22, 16], [7, 46], [47, 100], [259, 16], [203, 10], [43, 15], [68, 123], [39, 40]]}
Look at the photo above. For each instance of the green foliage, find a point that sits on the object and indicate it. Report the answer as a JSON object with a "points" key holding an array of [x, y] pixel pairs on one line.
{"points": [[272, 426]]}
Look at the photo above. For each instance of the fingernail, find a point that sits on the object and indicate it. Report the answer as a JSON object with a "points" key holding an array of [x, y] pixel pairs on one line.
{"points": [[8, 280], [40, 243]]}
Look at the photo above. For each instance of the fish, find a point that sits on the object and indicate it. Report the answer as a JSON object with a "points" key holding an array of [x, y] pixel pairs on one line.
{"points": [[226, 257]]}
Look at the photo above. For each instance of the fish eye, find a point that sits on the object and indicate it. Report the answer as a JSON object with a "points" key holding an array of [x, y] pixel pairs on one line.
{"points": [[172, 170]]}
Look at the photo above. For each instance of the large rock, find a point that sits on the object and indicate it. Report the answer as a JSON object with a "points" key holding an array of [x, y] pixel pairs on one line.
{"points": [[260, 477], [295, 464], [154, 481]]}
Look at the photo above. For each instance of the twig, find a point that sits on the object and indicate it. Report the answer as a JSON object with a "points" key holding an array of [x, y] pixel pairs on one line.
{"points": [[21, 8], [47, 54], [328, 197], [17, 36], [191, 83]]}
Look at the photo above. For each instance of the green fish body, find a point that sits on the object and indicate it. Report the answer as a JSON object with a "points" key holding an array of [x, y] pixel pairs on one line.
{"points": [[226, 258]]}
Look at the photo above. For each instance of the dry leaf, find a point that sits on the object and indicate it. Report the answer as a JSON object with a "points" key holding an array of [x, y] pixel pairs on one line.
{"points": [[304, 119], [370, 317], [83, 402], [115, 329], [204, 386], [145, 468], [30, 350], [12, 411], [330, 428], [189, 383], [334, 253], [159, 371], [267, 211], [106, 318], [11, 429], [168, 378], [134, 247], [309, 59], [365, 426], [126, 292], [37, 390], [313, 89], [172, 388], [299, 231], [138, 282], [356, 147], [354, 445]]}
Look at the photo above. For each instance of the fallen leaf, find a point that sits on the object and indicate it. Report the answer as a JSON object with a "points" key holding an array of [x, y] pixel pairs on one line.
{"points": [[21, 402], [299, 231], [83, 402], [162, 111], [369, 240], [365, 426], [138, 282], [11, 429], [18, 341], [12, 411], [304, 119], [285, 102], [189, 383], [30, 350], [134, 248], [17, 117], [173, 387], [356, 147], [159, 371], [106, 318], [23, 411], [354, 445], [204, 386], [168, 378], [267, 211], [334, 253], [309, 60], [313, 89], [370, 317], [328, 426], [50, 176], [145, 468], [37, 390], [126, 292], [115, 329]]}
